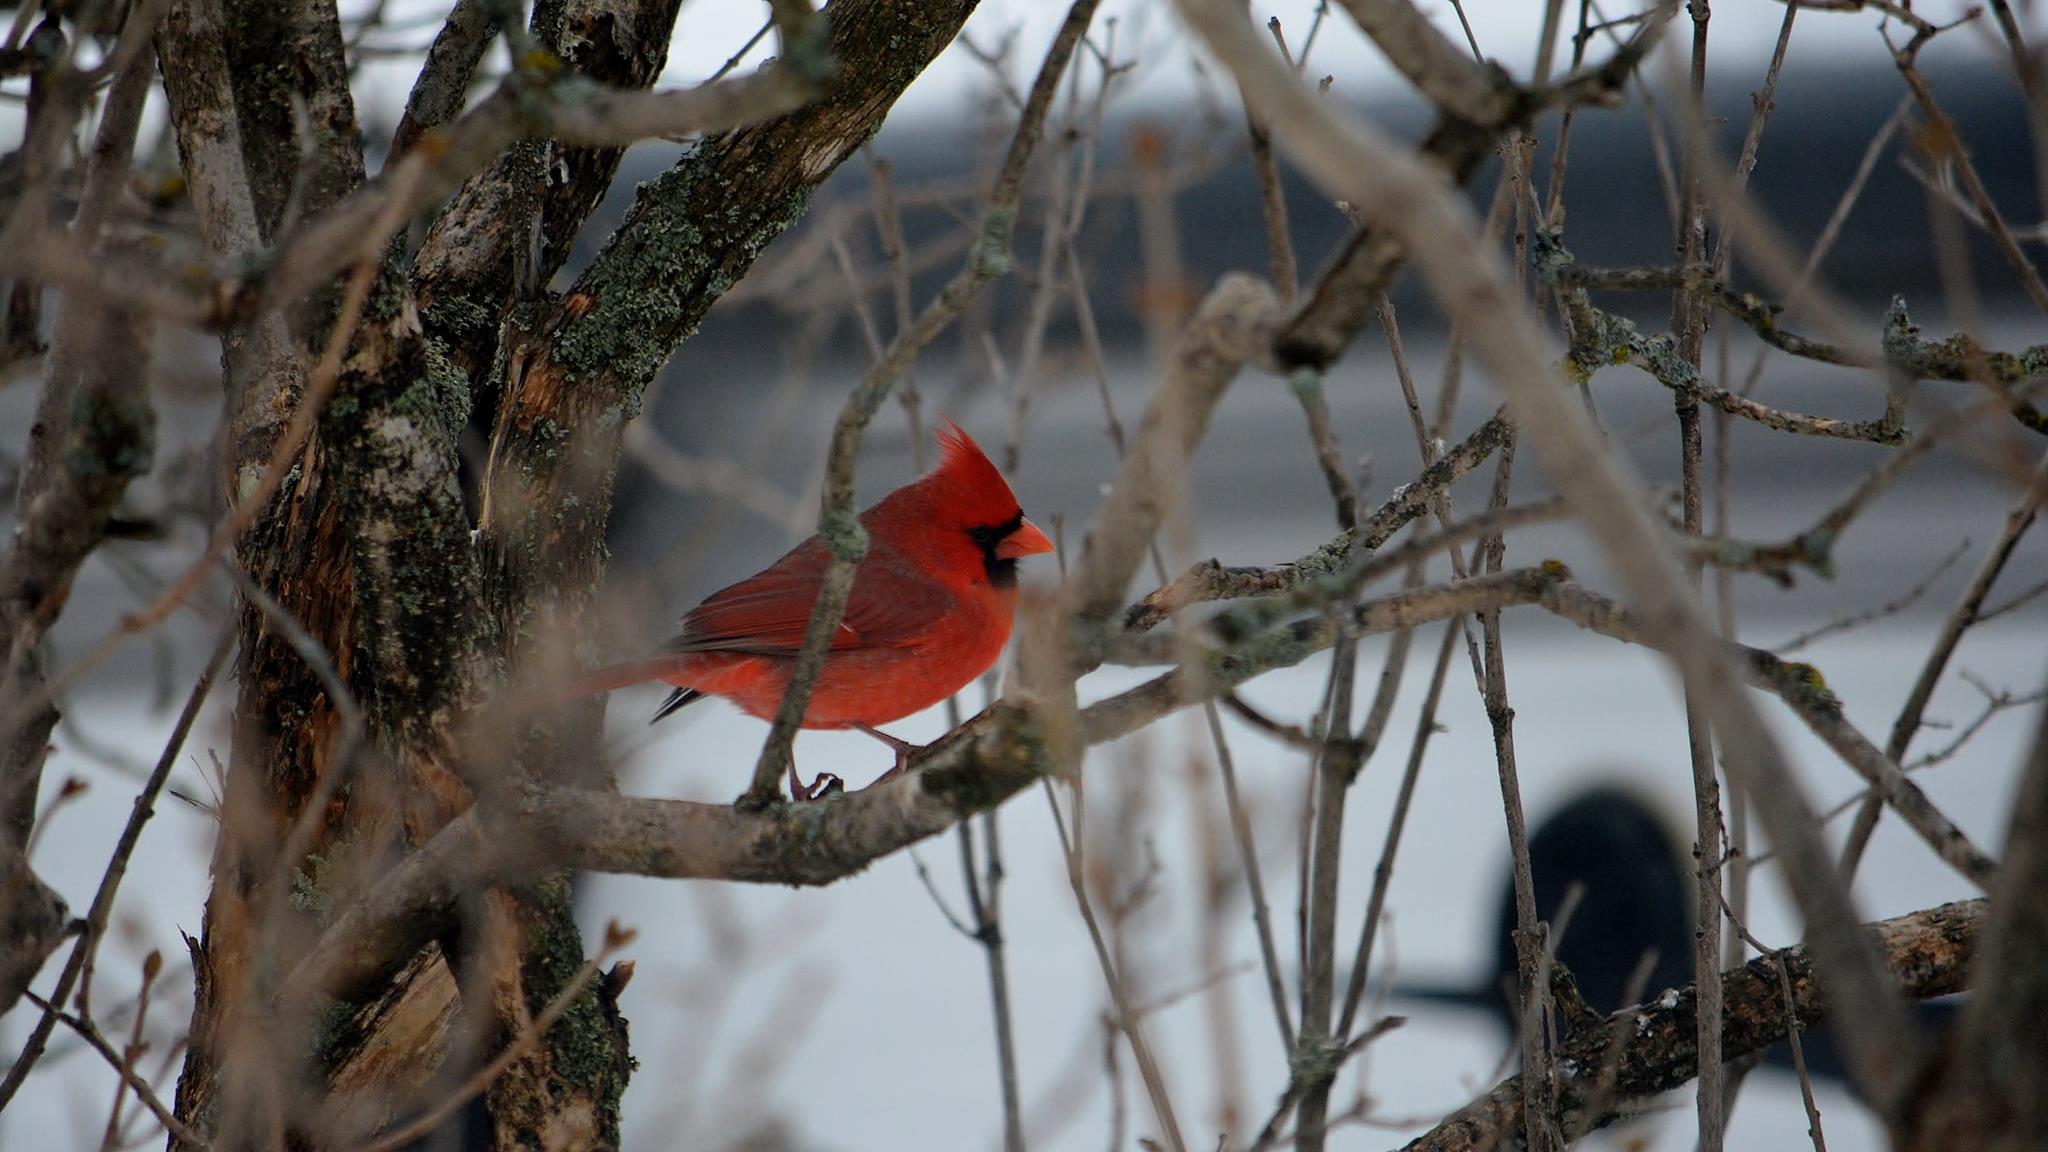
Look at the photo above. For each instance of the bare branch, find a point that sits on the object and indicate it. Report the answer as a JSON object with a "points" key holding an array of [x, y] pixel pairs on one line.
{"points": [[1802, 689], [1926, 954], [98, 1042], [80, 960], [1228, 330], [970, 770], [1340, 557], [1460, 87], [442, 87], [1352, 160]]}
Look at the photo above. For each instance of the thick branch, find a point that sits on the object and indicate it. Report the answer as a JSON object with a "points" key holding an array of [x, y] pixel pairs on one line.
{"points": [[572, 111], [507, 232], [976, 767], [32, 923], [442, 87], [1346, 296], [1927, 953]]}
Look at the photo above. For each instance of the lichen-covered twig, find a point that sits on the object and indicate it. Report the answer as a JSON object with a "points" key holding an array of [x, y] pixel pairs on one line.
{"points": [[1600, 338], [1212, 581], [1901, 349], [1925, 954]]}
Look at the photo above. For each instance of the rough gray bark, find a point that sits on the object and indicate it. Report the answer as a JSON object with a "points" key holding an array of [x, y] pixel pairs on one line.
{"points": [[370, 548], [1640, 1052]]}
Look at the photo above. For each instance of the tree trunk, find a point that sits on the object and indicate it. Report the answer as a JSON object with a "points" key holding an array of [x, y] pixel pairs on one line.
{"points": [[368, 547]]}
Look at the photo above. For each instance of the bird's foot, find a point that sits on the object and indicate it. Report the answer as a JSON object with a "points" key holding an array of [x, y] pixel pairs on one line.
{"points": [[825, 785], [904, 751]]}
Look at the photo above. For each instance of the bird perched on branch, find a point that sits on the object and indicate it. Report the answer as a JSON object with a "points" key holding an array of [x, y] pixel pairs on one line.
{"points": [[930, 610]]}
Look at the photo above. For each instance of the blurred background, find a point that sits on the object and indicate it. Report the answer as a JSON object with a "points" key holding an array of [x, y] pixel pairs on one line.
{"points": [[856, 1016]]}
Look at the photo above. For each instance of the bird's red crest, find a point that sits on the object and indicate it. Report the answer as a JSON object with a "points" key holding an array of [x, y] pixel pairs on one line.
{"points": [[969, 474]]}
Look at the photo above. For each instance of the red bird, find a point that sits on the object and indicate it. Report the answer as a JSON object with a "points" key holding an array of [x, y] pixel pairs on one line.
{"points": [[930, 610]]}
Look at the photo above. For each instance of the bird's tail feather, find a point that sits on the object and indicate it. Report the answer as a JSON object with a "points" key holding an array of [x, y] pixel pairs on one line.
{"points": [[676, 700]]}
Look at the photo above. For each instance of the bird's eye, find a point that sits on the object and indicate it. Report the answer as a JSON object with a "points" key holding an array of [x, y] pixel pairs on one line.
{"points": [[987, 536]]}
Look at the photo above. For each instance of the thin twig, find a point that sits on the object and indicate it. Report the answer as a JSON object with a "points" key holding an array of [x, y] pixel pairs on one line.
{"points": [[1959, 621], [985, 908], [1313, 1064], [184, 1135], [1688, 324], [152, 966], [1945, 143], [117, 868], [1128, 1021], [1792, 1027], [2019, 600], [1383, 872], [1889, 608]]}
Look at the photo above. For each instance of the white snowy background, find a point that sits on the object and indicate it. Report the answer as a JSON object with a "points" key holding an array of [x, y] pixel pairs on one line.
{"points": [[854, 1017]]}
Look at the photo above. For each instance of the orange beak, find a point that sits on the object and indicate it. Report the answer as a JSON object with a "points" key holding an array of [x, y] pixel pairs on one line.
{"points": [[1027, 540]]}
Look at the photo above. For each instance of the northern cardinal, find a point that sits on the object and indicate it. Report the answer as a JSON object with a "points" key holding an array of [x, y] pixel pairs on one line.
{"points": [[930, 610]]}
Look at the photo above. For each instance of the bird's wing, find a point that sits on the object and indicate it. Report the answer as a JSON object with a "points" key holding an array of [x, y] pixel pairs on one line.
{"points": [[766, 614]]}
